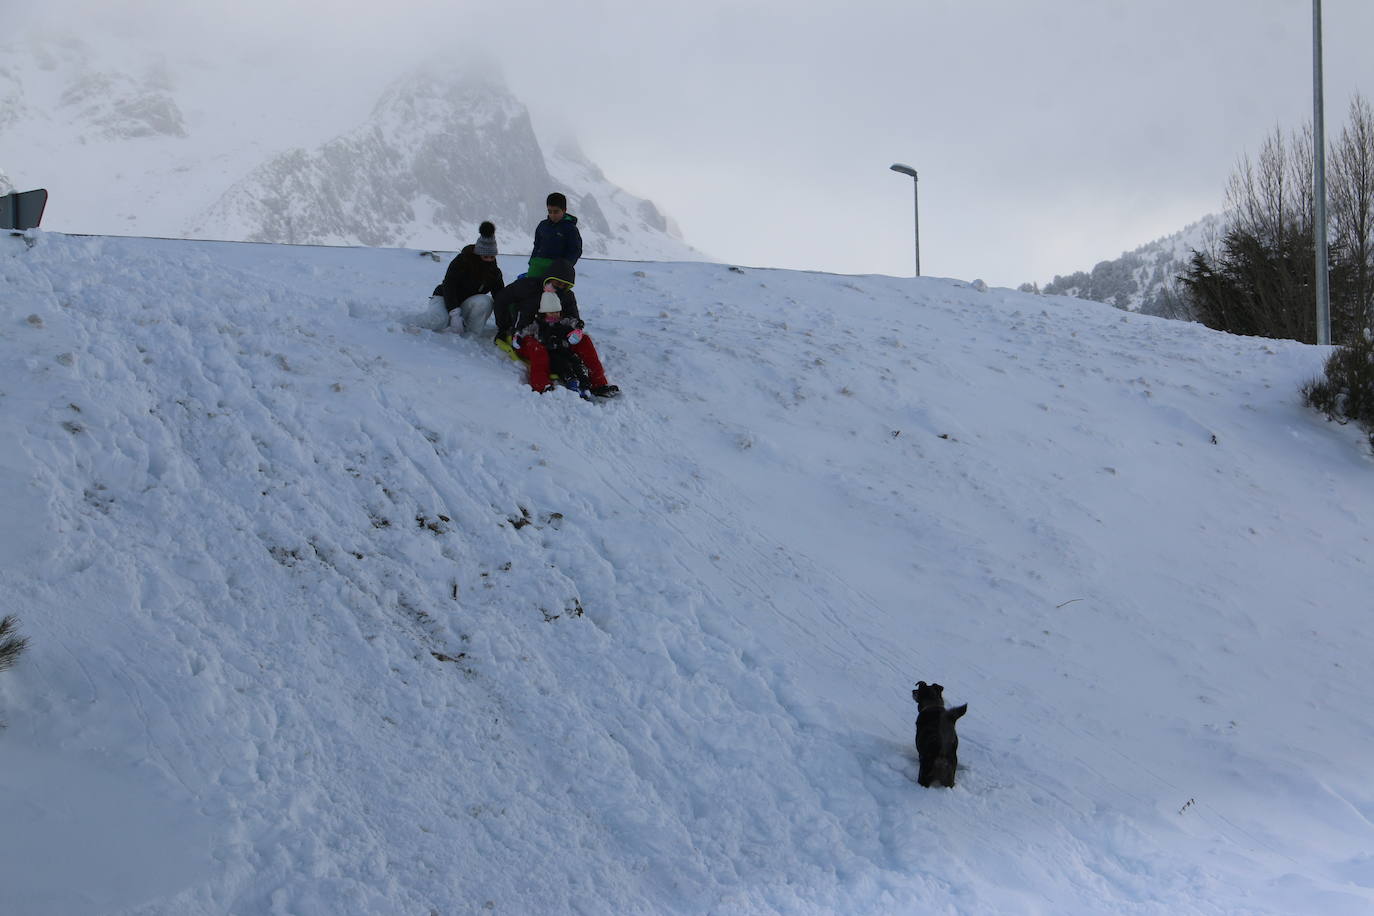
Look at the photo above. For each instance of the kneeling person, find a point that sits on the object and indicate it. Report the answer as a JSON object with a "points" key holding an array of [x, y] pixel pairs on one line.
{"points": [[470, 282]]}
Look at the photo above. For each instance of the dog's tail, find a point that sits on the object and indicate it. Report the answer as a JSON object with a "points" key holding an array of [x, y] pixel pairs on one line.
{"points": [[957, 711], [940, 772]]}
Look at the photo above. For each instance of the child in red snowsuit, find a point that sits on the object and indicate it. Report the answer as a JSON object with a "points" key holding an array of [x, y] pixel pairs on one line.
{"points": [[550, 324]]}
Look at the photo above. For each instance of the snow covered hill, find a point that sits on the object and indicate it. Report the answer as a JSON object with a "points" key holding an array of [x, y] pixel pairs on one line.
{"points": [[330, 615]]}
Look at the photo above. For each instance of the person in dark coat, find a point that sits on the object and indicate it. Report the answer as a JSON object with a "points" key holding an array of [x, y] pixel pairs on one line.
{"points": [[523, 294], [555, 238], [470, 282], [547, 320]]}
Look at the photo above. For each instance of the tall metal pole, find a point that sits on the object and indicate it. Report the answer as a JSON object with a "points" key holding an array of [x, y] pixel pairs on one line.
{"points": [[916, 217], [1319, 181], [916, 199]]}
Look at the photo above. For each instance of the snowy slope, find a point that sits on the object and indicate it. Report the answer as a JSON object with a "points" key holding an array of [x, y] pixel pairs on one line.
{"points": [[331, 615]]}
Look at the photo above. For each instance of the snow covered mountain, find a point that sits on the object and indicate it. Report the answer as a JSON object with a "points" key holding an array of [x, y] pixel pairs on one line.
{"points": [[440, 152], [1142, 280], [437, 155], [330, 615], [58, 83], [140, 144]]}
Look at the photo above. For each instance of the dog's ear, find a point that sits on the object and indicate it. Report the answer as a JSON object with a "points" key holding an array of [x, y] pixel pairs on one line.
{"points": [[920, 685]]}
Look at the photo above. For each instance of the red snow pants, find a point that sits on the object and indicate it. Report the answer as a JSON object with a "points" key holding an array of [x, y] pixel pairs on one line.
{"points": [[535, 353]]}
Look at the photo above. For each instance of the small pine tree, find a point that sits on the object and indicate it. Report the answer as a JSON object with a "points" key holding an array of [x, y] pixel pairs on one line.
{"points": [[10, 645], [1346, 392]]}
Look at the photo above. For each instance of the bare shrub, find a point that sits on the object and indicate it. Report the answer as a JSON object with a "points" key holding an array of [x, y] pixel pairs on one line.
{"points": [[11, 645]]}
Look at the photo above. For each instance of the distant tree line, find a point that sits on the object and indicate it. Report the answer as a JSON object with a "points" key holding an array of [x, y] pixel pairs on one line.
{"points": [[1260, 279], [1112, 282], [1144, 280]]}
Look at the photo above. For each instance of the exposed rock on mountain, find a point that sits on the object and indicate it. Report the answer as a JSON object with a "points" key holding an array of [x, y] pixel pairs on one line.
{"points": [[437, 156], [441, 152], [11, 97], [118, 106]]}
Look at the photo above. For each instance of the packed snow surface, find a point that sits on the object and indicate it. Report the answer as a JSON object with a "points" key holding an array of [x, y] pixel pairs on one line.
{"points": [[329, 614]]}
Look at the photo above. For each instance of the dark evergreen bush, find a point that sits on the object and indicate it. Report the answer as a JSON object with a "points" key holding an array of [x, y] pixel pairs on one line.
{"points": [[1346, 392], [1266, 289]]}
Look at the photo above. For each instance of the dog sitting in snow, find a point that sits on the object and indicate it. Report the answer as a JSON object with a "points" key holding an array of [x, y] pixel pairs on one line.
{"points": [[936, 742]]}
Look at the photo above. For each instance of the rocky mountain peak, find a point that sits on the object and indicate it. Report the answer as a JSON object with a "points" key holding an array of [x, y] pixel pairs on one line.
{"points": [[129, 144]]}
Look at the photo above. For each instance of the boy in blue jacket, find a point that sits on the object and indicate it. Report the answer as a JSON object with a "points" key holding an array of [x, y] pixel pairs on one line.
{"points": [[556, 238]]}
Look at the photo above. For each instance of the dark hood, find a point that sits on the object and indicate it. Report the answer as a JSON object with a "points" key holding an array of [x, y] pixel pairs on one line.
{"points": [[561, 270]]}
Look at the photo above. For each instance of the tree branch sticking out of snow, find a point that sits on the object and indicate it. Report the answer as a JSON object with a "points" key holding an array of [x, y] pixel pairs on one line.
{"points": [[10, 645]]}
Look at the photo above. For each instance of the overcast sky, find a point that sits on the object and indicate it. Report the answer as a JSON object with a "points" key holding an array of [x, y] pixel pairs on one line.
{"points": [[1048, 135]]}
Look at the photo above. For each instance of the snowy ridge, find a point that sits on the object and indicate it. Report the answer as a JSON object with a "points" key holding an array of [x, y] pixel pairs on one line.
{"points": [[607, 213], [1143, 280], [330, 615]]}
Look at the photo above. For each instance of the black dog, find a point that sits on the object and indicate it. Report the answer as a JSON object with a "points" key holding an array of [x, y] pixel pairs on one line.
{"points": [[936, 743]]}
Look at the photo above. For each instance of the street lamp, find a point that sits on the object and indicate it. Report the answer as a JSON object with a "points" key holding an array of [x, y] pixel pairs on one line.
{"points": [[916, 190], [1319, 181]]}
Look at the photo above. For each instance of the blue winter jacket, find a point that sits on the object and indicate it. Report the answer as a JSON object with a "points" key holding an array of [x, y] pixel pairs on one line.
{"points": [[553, 241]]}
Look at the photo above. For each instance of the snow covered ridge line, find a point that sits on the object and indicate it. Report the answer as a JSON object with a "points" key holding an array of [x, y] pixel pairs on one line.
{"points": [[977, 285], [330, 614], [439, 251], [169, 238]]}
